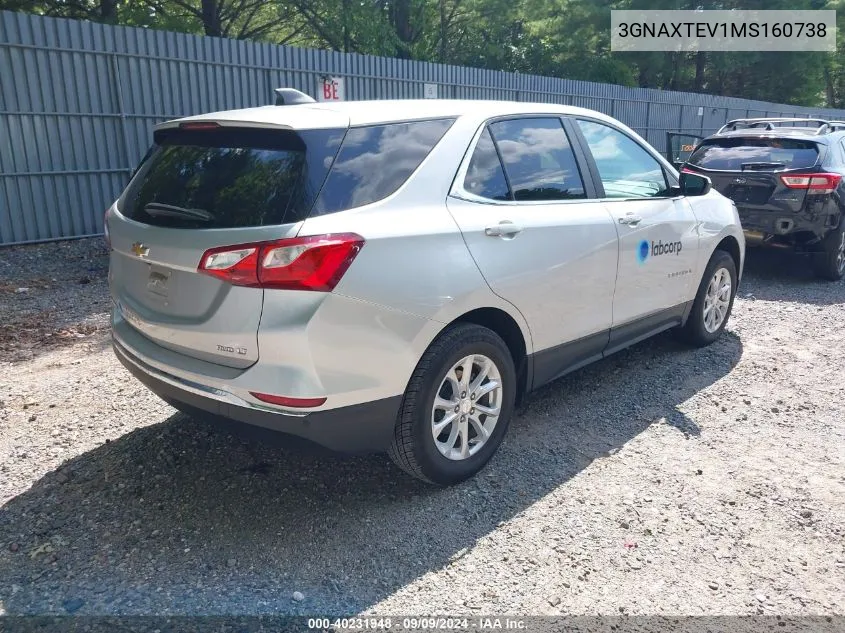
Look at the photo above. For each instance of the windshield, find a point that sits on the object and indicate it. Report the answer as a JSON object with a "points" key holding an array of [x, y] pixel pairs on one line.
{"points": [[754, 154], [230, 177]]}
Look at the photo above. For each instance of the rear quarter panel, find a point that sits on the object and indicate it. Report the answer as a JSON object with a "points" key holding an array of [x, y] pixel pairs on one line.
{"points": [[414, 261]]}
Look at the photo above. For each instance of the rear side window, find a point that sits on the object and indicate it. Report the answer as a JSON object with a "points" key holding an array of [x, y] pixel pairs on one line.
{"points": [[744, 154], [375, 161], [485, 176], [230, 177], [538, 160]]}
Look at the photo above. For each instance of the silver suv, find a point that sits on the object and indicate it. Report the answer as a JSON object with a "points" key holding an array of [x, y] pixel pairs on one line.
{"points": [[396, 275]]}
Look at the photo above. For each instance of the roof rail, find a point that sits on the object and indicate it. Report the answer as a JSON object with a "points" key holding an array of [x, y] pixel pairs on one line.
{"points": [[291, 96], [769, 123]]}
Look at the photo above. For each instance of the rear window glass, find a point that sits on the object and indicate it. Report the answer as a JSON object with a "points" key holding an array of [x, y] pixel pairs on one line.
{"points": [[538, 159], [375, 161], [230, 177], [744, 154], [485, 176]]}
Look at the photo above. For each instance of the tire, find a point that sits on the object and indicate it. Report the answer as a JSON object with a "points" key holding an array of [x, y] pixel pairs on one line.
{"points": [[698, 330], [414, 448], [830, 262]]}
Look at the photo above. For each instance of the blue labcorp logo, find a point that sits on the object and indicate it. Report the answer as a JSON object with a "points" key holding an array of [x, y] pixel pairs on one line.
{"points": [[642, 251], [655, 249]]}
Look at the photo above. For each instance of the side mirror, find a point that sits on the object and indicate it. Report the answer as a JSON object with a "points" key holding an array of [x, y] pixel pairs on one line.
{"points": [[694, 184]]}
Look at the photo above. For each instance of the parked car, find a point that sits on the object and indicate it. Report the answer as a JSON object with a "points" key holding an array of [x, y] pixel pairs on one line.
{"points": [[785, 176], [395, 275]]}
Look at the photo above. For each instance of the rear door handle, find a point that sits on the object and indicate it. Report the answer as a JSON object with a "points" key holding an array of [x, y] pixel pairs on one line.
{"points": [[503, 229], [630, 220]]}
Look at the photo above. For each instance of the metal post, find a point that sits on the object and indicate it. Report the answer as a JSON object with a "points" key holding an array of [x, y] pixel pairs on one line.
{"points": [[122, 111]]}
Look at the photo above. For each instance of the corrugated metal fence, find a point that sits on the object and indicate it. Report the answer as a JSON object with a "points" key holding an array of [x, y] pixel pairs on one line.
{"points": [[78, 100]]}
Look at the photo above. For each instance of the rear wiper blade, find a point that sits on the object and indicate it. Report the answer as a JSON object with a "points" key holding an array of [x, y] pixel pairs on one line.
{"points": [[158, 209], [762, 165]]}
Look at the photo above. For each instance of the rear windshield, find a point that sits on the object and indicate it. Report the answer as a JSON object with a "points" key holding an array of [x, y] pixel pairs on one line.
{"points": [[230, 177], [747, 154]]}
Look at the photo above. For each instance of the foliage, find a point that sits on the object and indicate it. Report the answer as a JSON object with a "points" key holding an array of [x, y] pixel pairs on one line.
{"points": [[563, 38]]}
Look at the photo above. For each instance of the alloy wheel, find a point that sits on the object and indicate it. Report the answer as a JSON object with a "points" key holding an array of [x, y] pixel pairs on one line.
{"points": [[466, 407], [717, 300]]}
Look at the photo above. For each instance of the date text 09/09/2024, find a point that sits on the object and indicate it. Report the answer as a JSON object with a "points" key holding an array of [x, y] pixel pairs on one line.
{"points": [[417, 624]]}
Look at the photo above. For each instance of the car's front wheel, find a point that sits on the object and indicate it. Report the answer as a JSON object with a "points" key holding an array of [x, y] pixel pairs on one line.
{"points": [[713, 301], [457, 406]]}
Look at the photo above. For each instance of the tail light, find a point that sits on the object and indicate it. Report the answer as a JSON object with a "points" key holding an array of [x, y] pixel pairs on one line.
{"points": [[813, 183], [687, 170], [315, 262], [199, 125]]}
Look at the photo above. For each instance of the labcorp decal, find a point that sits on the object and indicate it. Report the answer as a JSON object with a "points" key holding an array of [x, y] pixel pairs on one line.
{"points": [[656, 249], [642, 251]]}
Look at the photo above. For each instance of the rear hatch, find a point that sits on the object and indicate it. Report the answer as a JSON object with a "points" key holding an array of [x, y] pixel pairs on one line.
{"points": [[755, 171], [207, 185]]}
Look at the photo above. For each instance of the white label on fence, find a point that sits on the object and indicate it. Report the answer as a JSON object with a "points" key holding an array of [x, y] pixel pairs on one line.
{"points": [[330, 89], [700, 111], [430, 91]]}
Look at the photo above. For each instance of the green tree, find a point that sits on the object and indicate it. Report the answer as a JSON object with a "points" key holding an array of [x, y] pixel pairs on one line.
{"points": [[561, 38]]}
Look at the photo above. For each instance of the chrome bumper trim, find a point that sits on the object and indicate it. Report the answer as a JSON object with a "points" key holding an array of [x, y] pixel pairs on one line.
{"points": [[181, 383]]}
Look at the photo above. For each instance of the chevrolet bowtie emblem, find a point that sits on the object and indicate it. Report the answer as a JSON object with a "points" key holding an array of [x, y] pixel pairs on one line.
{"points": [[139, 250]]}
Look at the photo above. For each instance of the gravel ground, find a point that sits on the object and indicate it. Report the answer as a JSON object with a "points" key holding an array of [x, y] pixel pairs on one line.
{"points": [[663, 480]]}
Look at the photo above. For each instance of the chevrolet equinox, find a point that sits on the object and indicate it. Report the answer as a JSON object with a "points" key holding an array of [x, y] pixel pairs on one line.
{"points": [[396, 275]]}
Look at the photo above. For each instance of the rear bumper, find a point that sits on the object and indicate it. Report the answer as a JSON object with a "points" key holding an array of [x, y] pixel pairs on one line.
{"points": [[784, 223], [361, 428]]}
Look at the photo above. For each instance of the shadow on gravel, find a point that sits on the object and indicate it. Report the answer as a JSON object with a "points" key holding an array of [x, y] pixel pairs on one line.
{"points": [[175, 518], [781, 275]]}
